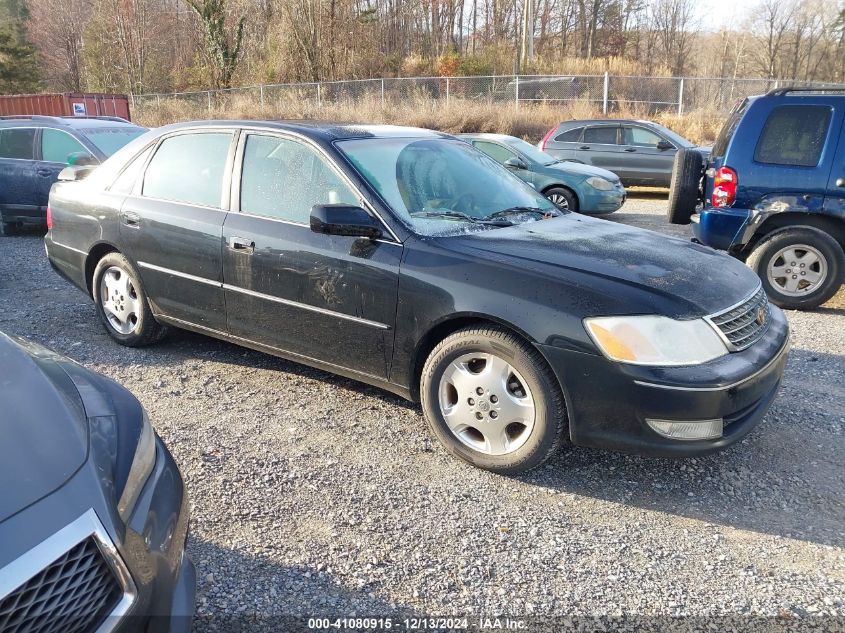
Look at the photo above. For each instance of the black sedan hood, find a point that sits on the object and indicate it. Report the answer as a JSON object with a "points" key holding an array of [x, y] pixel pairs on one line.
{"points": [[689, 279], [43, 427]]}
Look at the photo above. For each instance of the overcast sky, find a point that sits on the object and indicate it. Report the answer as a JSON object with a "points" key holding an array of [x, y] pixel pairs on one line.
{"points": [[716, 14]]}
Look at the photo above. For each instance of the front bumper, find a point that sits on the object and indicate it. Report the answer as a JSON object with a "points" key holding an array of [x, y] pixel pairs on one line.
{"points": [[593, 200], [159, 594], [608, 403]]}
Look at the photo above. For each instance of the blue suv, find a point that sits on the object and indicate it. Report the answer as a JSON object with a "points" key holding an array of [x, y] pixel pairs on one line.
{"points": [[34, 149], [772, 192]]}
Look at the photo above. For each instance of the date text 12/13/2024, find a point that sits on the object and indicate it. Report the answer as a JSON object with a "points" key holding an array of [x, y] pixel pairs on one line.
{"points": [[417, 624]]}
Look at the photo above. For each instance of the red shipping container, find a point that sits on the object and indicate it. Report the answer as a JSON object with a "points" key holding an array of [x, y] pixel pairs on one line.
{"points": [[66, 104]]}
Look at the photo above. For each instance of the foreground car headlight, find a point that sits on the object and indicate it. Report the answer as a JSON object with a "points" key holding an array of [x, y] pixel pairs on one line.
{"points": [[142, 466], [655, 340], [600, 183]]}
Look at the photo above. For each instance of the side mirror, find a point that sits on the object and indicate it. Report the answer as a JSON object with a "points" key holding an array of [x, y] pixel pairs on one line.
{"points": [[343, 219], [664, 145], [515, 163], [75, 172], [80, 159]]}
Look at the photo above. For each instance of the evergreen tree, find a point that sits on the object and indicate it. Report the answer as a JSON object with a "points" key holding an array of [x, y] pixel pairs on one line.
{"points": [[18, 64]]}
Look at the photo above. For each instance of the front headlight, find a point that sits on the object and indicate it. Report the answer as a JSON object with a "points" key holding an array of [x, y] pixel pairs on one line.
{"points": [[600, 183], [655, 340], [142, 466]]}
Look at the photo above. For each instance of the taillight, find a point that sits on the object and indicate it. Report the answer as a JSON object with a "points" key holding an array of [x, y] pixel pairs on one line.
{"points": [[49, 217], [724, 187], [546, 138]]}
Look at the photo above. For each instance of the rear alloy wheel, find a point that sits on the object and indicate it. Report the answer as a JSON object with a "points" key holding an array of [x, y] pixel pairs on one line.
{"points": [[800, 267], [491, 399], [122, 304], [562, 198]]}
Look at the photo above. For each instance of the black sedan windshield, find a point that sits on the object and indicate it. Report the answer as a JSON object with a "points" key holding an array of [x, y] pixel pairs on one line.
{"points": [[439, 186]]}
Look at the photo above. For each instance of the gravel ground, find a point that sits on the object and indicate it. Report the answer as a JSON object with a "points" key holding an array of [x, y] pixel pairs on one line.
{"points": [[317, 496]]}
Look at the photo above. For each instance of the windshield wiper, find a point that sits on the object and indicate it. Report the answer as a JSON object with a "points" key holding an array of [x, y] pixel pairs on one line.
{"points": [[457, 215], [521, 210]]}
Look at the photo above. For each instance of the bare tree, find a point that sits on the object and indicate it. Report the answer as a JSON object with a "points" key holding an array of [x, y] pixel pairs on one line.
{"points": [[675, 23], [58, 35]]}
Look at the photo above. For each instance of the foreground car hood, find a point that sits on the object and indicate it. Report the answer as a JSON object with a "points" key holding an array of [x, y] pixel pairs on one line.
{"points": [[580, 169], [43, 426], [695, 280]]}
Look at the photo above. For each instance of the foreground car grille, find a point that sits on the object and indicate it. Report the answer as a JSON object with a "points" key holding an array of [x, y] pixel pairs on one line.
{"points": [[74, 581], [74, 593], [744, 324]]}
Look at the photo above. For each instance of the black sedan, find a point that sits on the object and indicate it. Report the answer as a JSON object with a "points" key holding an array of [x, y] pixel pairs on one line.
{"points": [[93, 514], [409, 260]]}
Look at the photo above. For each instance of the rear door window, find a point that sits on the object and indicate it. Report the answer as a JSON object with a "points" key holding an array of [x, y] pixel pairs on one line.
{"points": [[57, 146], [794, 135], [601, 135], [189, 168], [17, 143], [570, 136]]}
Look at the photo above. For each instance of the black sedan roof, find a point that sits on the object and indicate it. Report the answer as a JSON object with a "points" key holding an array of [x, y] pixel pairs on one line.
{"points": [[324, 130]]}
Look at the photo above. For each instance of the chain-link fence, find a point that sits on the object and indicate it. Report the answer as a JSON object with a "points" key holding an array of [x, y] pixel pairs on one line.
{"points": [[607, 94]]}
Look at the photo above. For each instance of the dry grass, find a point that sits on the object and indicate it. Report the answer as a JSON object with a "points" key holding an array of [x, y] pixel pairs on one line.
{"points": [[528, 121]]}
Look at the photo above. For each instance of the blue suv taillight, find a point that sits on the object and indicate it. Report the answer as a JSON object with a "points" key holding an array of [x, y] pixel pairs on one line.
{"points": [[724, 187]]}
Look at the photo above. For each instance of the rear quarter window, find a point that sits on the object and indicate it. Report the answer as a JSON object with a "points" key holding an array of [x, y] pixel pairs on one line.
{"points": [[570, 136], [794, 136], [728, 129]]}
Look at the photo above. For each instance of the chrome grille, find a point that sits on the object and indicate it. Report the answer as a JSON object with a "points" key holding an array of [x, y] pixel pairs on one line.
{"points": [[744, 324], [73, 594]]}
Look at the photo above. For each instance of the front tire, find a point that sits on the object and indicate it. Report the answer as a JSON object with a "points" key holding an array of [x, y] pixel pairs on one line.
{"points": [[562, 198], [800, 268], [122, 304], [491, 400]]}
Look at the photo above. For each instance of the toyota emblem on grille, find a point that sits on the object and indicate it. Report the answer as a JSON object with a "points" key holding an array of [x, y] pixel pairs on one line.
{"points": [[761, 316]]}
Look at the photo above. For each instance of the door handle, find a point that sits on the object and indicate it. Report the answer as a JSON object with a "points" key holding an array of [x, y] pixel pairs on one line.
{"points": [[584, 147], [840, 182], [132, 220], [241, 244], [630, 149], [44, 172]]}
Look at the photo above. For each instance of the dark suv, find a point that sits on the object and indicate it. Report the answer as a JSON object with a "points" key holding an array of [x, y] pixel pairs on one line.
{"points": [[34, 149], [773, 192]]}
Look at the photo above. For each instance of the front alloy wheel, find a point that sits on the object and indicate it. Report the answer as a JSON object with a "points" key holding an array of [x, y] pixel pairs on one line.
{"points": [[562, 198], [491, 399]]}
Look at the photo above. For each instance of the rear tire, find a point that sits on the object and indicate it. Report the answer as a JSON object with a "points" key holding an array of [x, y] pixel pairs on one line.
{"points": [[122, 303], [686, 182], [505, 409], [800, 268], [562, 198]]}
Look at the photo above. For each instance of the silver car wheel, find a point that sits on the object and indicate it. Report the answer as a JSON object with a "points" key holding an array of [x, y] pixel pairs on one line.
{"points": [[120, 300], [797, 270], [559, 200], [486, 403]]}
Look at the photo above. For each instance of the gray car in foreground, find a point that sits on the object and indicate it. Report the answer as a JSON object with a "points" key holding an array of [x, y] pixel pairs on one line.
{"points": [[641, 153], [93, 512]]}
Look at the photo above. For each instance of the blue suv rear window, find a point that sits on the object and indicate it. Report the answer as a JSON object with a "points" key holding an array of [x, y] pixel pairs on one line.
{"points": [[794, 136]]}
